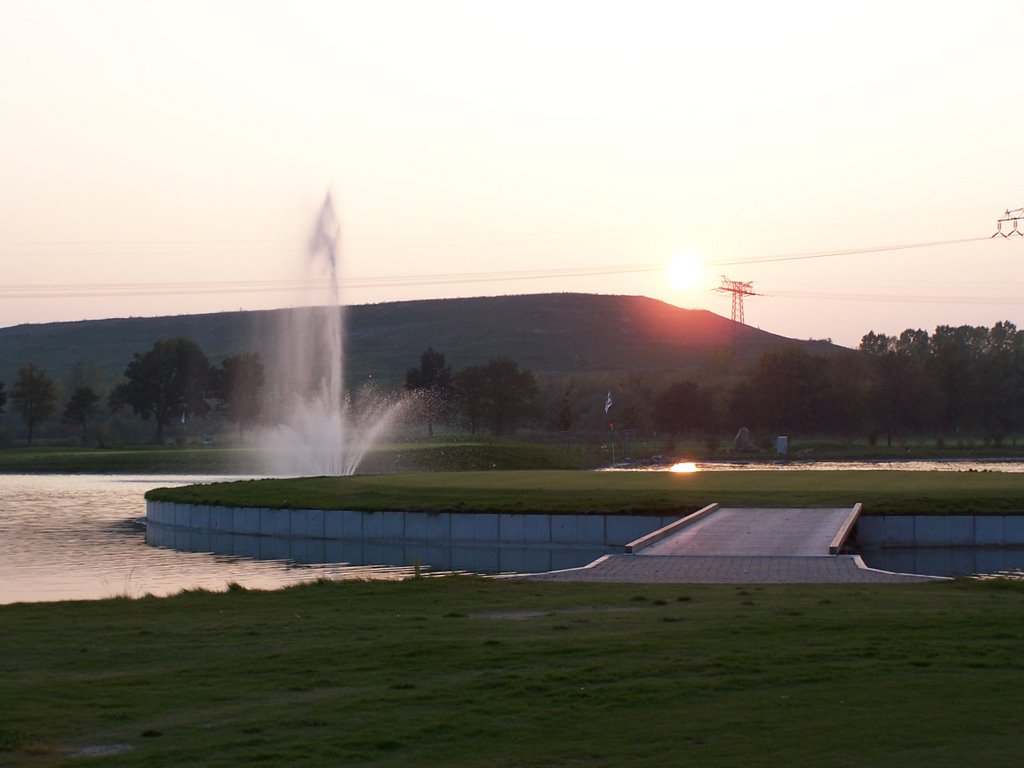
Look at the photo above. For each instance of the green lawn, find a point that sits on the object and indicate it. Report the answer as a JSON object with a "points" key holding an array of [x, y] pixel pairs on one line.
{"points": [[882, 492], [134, 459], [463, 671], [429, 455]]}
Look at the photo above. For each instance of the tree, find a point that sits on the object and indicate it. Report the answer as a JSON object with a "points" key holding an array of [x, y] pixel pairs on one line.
{"points": [[3, 399], [566, 417], [34, 395], [80, 408], [684, 407], [433, 381], [498, 393], [903, 396], [470, 389], [1000, 379], [789, 384], [236, 384], [170, 381]]}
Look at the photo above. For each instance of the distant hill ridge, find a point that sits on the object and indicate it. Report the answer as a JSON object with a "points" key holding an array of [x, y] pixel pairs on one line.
{"points": [[545, 333]]}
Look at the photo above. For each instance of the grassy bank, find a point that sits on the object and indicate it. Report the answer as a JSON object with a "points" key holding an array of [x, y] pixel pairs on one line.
{"points": [[129, 460], [882, 492], [423, 456], [464, 452], [467, 672]]}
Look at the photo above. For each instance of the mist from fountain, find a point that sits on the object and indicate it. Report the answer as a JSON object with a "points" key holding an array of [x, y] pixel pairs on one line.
{"points": [[318, 427]]}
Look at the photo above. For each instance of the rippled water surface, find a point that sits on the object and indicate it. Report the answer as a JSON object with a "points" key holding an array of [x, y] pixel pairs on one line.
{"points": [[74, 537]]}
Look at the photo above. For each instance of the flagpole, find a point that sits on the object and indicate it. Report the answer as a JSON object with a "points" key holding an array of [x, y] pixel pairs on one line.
{"points": [[611, 424]]}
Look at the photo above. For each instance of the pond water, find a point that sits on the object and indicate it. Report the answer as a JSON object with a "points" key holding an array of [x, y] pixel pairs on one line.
{"points": [[797, 465], [75, 537]]}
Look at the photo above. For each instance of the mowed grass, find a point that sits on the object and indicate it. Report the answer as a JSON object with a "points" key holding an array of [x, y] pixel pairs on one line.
{"points": [[882, 492], [435, 455], [131, 460], [462, 671]]}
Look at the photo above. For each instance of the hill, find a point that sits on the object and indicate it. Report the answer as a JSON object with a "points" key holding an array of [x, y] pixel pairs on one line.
{"points": [[546, 333]]}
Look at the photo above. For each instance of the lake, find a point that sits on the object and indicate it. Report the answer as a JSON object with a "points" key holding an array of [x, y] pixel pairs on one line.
{"points": [[75, 537]]}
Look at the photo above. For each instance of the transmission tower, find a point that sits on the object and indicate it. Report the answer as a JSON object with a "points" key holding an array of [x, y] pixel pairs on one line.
{"points": [[1010, 224], [738, 291]]}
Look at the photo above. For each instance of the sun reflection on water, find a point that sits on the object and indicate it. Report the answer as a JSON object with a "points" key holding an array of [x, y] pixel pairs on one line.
{"points": [[684, 466]]}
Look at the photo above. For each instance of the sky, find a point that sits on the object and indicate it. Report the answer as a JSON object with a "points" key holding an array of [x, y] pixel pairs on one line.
{"points": [[172, 157]]}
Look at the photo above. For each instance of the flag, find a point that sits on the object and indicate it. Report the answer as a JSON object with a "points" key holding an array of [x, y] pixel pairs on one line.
{"points": [[608, 402]]}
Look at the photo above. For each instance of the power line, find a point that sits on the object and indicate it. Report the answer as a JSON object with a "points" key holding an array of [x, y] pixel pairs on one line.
{"points": [[96, 290], [849, 252]]}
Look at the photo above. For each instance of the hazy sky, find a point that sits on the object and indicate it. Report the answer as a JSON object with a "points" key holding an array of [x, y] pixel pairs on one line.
{"points": [[171, 157]]}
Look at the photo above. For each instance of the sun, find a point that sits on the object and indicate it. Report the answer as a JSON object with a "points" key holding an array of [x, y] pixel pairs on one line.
{"points": [[685, 271]]}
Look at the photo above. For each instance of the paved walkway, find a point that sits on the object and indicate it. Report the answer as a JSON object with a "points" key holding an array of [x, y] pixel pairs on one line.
{"points": [[740, 546]]}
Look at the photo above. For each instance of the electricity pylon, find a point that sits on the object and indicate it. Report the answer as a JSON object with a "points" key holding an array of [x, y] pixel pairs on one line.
{"points": [[738, 290], [1012, 220]]}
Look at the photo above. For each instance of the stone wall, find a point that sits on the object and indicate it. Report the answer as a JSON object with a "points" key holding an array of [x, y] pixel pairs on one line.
{"points": [[479, 542]]}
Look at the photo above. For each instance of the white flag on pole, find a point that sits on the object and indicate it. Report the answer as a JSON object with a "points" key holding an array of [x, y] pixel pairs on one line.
{"points": [[608, 402]]}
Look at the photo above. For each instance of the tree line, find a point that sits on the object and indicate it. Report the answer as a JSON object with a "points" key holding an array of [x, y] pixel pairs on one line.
{"points": [[174, 382], [959, 383]]}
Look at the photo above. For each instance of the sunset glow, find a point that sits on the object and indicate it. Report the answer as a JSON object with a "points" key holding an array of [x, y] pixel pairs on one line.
{"points": [[639, 149], [685, 271]]}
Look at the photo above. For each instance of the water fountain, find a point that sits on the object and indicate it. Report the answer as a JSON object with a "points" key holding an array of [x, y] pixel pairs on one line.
{"points": [[318, 427]]}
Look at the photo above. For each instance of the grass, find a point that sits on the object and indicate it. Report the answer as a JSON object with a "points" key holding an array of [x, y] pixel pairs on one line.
{"points": [[449, 454], [463, 671], [882, 492], [134, 459], [435, 455]]}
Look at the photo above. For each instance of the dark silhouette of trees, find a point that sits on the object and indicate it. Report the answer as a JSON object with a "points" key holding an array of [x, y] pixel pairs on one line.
{"points": [[470, 390], [846, 398], [1000, 382], [497, 393], [34, 396], [903, 397], [566, 417], [433, 382], [686, 406], [952, 360], [169, 381], [960, 381], [789, 392], [237, 383], [3, 399], [81, 407]]}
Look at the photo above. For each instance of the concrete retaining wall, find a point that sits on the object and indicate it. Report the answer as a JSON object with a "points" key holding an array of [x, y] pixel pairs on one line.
{"points": [[934, 531], [441, 528]]}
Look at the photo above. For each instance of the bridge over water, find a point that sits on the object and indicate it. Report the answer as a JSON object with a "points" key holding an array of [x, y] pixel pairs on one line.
{"points": [[741, 546]]}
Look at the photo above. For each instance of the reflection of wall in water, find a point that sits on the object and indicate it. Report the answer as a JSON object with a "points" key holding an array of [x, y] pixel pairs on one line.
{"points": [[450, 541], [941, 545], [939, 530], [945, 561]]}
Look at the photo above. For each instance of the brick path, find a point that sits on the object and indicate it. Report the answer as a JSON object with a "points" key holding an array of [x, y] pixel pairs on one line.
{"points": [[727, 569]]}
